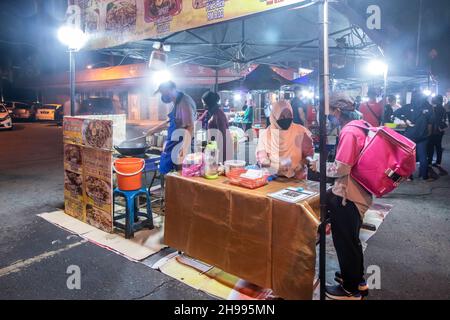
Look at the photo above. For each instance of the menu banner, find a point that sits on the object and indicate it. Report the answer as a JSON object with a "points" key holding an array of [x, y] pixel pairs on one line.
{"points": [[88, 185], [75, 209], [72, 158], [97, 134], [72, 130], [110, 23], [97, 171]]}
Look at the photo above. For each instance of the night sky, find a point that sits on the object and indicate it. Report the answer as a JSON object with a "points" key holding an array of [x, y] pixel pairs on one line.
{"points": [[28, 42]]}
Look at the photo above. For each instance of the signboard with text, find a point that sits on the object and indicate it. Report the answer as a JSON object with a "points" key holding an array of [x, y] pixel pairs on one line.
{"points": [[111, 23], [88, 171]]}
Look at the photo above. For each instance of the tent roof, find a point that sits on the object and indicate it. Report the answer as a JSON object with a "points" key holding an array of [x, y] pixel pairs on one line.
{"points": [[263, 77], [284, 38]]}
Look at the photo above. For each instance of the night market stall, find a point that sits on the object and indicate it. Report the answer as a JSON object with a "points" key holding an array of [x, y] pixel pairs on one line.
{"points": [[259, 229]]}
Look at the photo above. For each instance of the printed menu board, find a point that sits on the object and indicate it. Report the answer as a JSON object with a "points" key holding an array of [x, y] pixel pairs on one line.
{"points": [[98, 187], [97, 134], [111, 23], [88, 187], [72, 130]]}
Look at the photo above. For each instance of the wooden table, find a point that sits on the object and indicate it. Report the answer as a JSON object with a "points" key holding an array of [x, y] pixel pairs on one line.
{"points": [[244, 232]]}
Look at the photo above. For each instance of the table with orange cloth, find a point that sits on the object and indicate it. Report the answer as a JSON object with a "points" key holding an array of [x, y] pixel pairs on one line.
{"points": [[268, 242]]}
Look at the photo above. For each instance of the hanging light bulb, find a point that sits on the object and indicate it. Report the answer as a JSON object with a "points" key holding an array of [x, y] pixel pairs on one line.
{"points": [[158, 60]]}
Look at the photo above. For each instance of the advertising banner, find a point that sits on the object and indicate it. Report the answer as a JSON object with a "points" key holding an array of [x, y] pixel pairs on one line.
{"points": [[88, 185], [111, 23], [72, 130]]}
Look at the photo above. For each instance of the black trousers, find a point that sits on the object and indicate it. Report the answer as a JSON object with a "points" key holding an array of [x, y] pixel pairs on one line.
{"points": [[345, 226], [435, 142]]}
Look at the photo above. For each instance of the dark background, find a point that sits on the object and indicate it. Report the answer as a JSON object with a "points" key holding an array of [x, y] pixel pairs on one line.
{"points": [[29, 47]]}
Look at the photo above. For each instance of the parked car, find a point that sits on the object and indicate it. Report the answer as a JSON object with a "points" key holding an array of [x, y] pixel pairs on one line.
{"points": [[9, 106], [22, 111], [47, 112], [5, 118], [100, 106]]}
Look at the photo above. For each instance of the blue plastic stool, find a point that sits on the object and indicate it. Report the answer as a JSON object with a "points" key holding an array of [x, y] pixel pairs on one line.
{"points": [[132, 213]]}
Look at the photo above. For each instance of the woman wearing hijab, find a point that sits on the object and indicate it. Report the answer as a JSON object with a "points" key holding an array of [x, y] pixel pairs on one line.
{"points": [[285, 145], [216, 120]]}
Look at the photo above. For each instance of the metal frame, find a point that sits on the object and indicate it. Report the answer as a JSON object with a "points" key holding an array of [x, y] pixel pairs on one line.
{"points": [[222, 57], [243, 52]]}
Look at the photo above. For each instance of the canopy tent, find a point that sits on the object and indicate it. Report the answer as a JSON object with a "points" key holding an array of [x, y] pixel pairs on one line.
{"points": [[263, 77], [285, 38]]}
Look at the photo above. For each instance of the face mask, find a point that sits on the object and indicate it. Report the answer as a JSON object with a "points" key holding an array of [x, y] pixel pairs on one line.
{"points": [[284, 123], [166, 99]]}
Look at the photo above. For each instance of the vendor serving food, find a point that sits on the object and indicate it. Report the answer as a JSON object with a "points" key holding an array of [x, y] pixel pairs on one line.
{"points": [[181, 116], [285, 145]]}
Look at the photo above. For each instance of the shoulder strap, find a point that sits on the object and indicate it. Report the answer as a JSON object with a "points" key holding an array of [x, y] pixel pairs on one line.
{"points": [[373, 113], [365, 126]]}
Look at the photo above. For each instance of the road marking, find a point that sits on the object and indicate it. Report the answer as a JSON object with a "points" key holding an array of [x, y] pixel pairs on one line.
{"points": [[21, 264]]}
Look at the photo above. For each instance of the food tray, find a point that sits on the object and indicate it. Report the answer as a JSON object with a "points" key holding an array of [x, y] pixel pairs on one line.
{"points": [[234, 176]]}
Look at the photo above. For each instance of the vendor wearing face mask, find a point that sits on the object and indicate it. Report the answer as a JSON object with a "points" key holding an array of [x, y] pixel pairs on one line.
{"points": [[181, 116], [285, 145]]}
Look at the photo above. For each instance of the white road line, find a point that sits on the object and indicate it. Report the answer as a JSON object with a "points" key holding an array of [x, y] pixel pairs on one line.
{"points": [[21, 264]]}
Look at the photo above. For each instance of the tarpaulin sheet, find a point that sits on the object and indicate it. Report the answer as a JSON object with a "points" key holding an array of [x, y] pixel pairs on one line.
{"points": [[244, 232]]}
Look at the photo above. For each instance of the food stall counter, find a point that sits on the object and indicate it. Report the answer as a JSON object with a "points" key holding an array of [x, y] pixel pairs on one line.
{"points": [[268, 242]]}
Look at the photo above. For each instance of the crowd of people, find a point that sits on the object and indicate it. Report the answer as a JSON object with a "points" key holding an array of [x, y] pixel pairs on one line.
{"points": [[287, 145]]}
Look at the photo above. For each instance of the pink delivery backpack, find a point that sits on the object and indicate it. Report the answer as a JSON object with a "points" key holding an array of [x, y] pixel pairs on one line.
{"points": [[388, 159]]}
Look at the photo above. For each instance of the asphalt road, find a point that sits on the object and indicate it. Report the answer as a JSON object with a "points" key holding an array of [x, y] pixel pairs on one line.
{"points": [[411, 248], [35, 255]]}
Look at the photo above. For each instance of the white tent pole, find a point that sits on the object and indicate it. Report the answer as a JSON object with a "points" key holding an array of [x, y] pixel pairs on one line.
{"points": [[323, 112]]}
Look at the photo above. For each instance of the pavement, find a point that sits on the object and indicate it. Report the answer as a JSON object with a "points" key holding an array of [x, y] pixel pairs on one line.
{"points": [[35, 255], [411, 247]]}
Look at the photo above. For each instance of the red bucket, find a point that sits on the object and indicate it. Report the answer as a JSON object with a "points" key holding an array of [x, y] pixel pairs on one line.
{"points": [[129, 173]]}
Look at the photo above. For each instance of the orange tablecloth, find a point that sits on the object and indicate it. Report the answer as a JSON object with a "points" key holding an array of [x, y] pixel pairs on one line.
{"points": [[265, 241]]}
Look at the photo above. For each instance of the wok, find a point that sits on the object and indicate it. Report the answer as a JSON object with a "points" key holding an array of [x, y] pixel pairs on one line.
{"points": [[132, 148]]}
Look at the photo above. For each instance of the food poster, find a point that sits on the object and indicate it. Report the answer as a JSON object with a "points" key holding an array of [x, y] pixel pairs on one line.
{"points": [[74, 208], [111, 23], [119, 124], [72, 158], [97, 172], [72, 130], [73, 185], [97, 134], [88, 172], [99, 218]]}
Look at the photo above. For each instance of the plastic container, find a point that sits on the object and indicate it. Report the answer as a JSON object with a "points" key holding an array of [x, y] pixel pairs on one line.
{"points": [[234, 165], [234, 176], [193, 165], [211, 161], [390, 125], [129, 173]]}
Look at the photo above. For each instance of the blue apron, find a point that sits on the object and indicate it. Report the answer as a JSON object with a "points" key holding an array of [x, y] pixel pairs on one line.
{"points": [[166, 164]]}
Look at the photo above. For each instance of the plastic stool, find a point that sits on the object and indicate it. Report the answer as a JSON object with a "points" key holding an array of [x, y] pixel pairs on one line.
{"points": [[132, 212]]}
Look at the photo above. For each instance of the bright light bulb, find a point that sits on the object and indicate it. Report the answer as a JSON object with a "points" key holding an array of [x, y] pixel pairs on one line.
{"points": [[237, 97], [161, 77], [377, 67], [427, 92], [308, 94], [72, 37]]}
